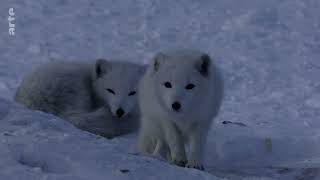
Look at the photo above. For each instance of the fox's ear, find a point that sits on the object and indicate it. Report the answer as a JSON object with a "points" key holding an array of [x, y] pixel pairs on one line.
{"points": [[158, 60], [102, 67], [203, 65]]}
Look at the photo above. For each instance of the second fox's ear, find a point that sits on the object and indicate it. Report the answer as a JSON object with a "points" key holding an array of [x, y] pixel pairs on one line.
{"points": [[158, 60], [102, 67], [203, 65]]}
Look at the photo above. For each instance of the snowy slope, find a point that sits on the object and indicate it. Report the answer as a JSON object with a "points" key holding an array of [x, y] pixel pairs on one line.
{"points": [[268, 50], [35, 145]]}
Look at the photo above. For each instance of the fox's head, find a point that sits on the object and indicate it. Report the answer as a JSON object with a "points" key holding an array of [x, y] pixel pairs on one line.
{"points": [[116, 84], [181, 80]]}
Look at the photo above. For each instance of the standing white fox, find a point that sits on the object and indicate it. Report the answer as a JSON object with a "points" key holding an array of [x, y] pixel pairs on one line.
{"points": [[179, 96], [98, 97]]}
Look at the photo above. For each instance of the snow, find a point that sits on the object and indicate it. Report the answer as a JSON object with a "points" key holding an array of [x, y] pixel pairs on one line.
{"points": [[35, 145], [268, 52]]}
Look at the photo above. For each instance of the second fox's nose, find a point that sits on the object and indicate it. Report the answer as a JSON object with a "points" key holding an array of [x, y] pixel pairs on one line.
{"points": [[176, 106], [120, 112]]}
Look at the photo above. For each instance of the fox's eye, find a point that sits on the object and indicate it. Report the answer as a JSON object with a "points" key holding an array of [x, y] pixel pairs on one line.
{"points": [[132, 93], [167, 85], [110, 91], [190, 86]]}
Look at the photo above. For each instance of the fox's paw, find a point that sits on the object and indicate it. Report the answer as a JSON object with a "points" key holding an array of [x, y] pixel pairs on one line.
{"points": [[195, 165], [180, 160], [181, 163]]}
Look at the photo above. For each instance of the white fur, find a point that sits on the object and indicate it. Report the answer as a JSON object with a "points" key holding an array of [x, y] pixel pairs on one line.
{"points": [[164, 131], [77, 93]]}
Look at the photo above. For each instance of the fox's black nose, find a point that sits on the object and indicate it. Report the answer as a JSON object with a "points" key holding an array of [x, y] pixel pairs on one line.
{"points": [[176, 106], [120, 112]]}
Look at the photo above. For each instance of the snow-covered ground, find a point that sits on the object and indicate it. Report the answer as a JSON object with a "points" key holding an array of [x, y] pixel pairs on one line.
{"points": [[35, 145], [268, 50]]}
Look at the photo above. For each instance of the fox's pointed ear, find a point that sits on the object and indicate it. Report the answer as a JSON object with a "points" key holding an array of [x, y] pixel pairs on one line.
{"points": [[102, 67], [203, 65], [158, 60]]}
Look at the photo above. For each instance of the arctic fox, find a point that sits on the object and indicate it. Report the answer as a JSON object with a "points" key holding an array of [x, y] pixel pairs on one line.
{"points": [[98, 97], [179, 95]]}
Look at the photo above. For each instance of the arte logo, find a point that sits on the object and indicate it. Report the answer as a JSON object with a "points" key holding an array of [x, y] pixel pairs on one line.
{"points": [[11, 20]]}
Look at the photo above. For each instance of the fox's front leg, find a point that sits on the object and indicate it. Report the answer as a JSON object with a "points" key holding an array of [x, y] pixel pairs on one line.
{"points": [[175, 142], [146, 142], [162, 150], [197, 142]]}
